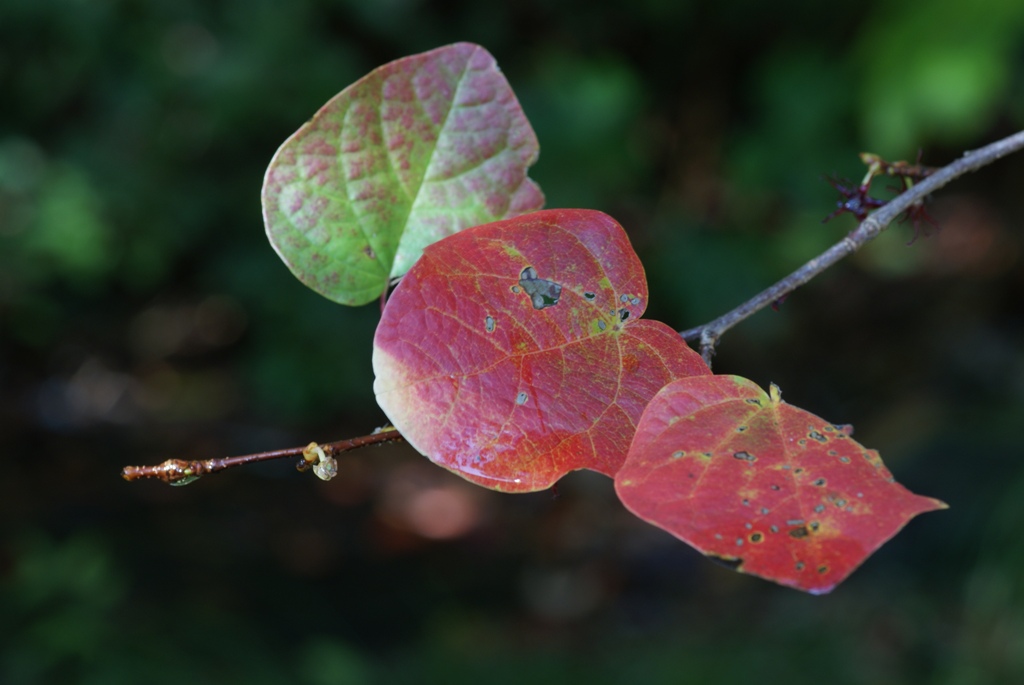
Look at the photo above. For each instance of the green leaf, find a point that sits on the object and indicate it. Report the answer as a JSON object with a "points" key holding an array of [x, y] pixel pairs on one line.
{"points": [[416, 150]]}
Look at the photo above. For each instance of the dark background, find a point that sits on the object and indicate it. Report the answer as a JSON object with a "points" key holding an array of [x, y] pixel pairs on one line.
{"points": [[143, 315]]}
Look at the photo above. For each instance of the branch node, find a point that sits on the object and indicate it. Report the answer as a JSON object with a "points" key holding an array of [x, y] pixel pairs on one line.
{"points": [[172, 471], [325, 467], [708, 340]]}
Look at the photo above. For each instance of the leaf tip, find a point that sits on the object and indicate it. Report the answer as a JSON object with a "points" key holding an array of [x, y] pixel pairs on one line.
{"points": [[775, 393]]}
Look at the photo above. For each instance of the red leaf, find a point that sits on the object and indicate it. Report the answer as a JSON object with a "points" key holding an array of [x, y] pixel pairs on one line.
{"points": [[513, 352], [758, 483]]}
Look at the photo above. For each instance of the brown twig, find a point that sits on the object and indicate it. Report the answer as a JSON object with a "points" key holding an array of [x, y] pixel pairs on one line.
{"points": [[709, 334], [182, 471]]}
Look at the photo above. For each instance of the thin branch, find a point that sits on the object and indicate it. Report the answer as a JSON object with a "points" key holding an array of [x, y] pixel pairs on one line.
{"points": [[709, 334], [320, 457], [182, 471]]}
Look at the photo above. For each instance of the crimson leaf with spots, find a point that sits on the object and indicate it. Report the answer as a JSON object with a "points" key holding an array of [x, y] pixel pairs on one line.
{"points": [[764, 486], [416, 150], [514, 352]]}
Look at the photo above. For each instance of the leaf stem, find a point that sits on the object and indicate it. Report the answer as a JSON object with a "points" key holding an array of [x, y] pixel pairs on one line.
{"points": [[183, 471], [710, 333]]}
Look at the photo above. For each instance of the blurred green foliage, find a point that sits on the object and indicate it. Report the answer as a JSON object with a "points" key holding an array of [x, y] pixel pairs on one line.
{"points": [[937, 71], [143, 315]]}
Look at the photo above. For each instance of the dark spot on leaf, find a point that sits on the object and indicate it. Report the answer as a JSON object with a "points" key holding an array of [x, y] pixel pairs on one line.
{"points": [[368, 251], [801, 442], [823, 569], [775, 487], [815, 435], [739, 542], [800, 532], [515, 289], [751, 400], [746, 502], [820, 508], [489, 324], [798, 471], [756, 537], [634, 301], [815, 526], [601, 324], [740, 429], [543, 293], [774, 529], [820, 482], [799, 566], [745, 456], [590, 296], [678, 454], [624, 299], [521, 398], [706, 455], [623, 314], [832, 453]]}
